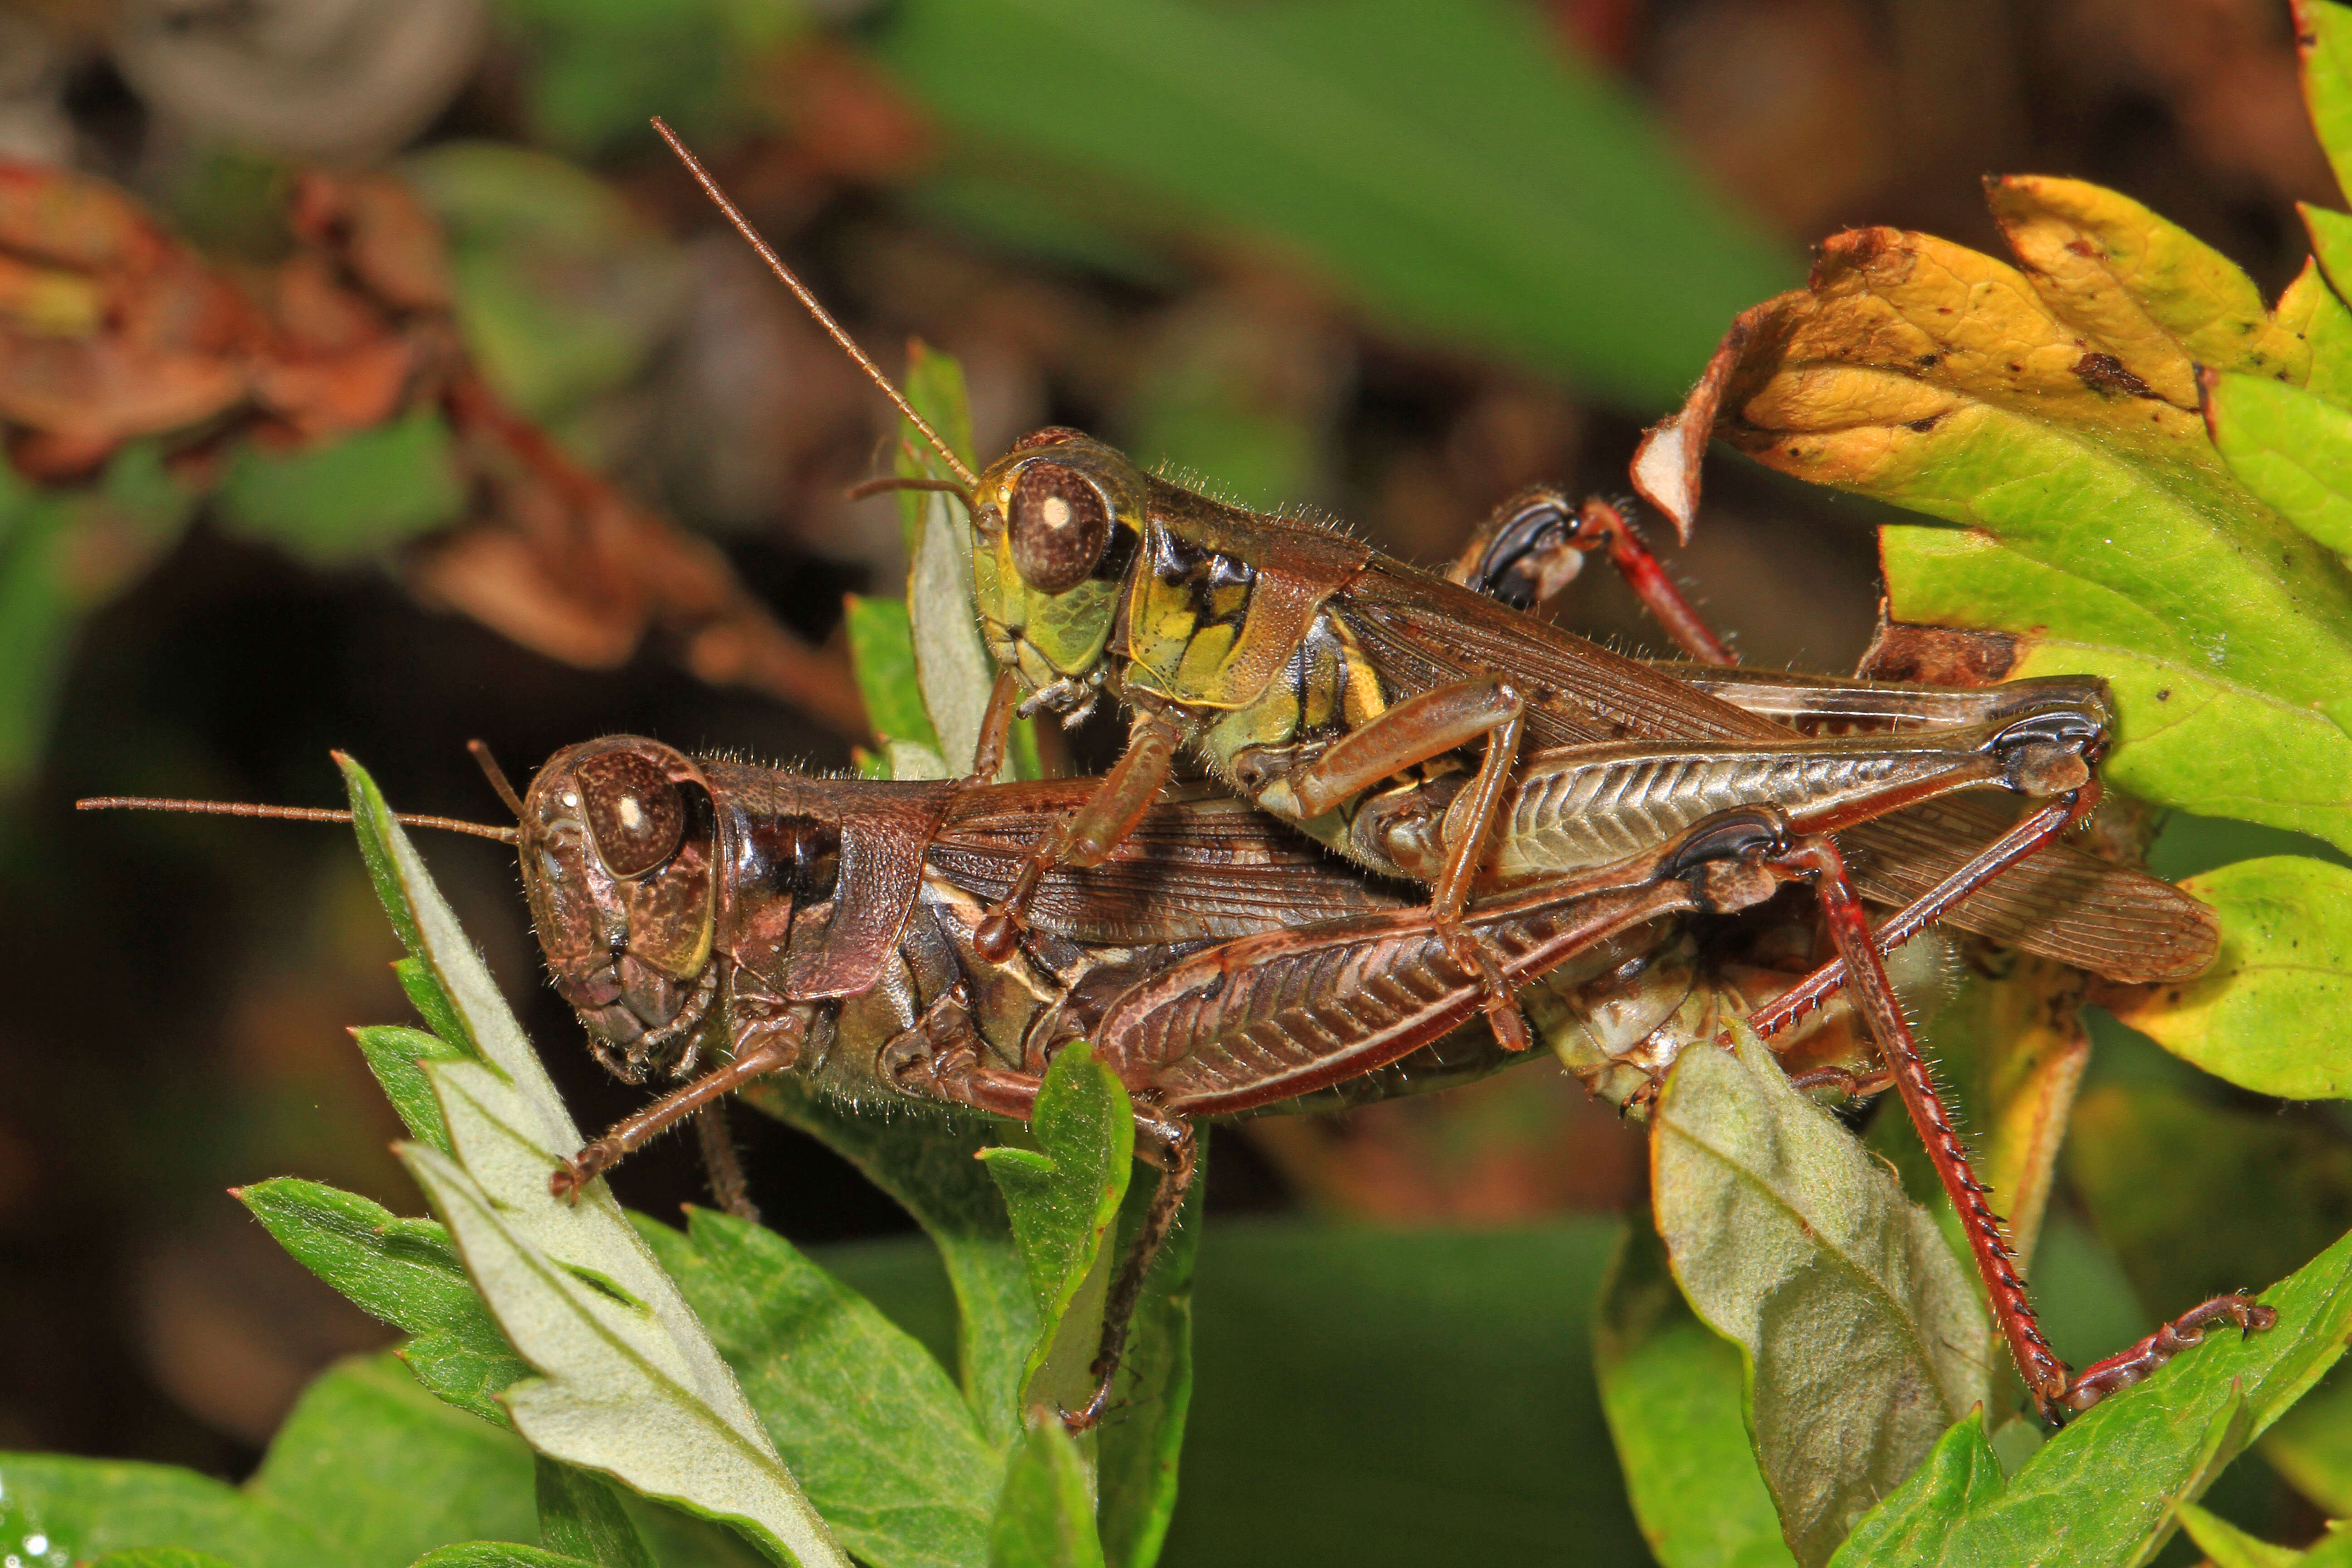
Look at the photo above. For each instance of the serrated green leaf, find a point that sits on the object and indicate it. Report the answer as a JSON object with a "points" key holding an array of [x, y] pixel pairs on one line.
{"points": [[580, 1515], [1791, 1241], [2291, 448], [1045, 1518], [637, 1392], [2325, 39], [2101, 1492], [1063, 1198], [2190, 735], [927, 1163], [868, 1421], [396, 1055], [2053, 413], [384, 1473], [348, 498], [2227, 1546], [2266, 1014], [1447, 160], [1674, 1390], [84, 1509], [882, 651], [404, 1272]]}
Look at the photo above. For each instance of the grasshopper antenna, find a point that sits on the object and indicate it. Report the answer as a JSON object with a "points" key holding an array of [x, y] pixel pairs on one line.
{"points": [[823, 317], [286, 812], [497, 775]]}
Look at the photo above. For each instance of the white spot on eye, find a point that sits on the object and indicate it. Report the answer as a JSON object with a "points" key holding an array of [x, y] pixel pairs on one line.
{"points": [[1058, 513], [571, 798], [633, 815]]}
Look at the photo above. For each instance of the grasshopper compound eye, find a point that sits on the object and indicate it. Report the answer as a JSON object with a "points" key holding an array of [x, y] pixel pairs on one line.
{"points": [[1060, 523], [636, 815]]}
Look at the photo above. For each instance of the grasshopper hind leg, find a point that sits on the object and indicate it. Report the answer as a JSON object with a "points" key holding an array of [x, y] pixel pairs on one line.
{"points": [[2058, 1391]]}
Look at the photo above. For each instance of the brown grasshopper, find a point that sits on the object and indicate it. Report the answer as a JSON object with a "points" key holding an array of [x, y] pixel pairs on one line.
{"points": [[833, 929], [846, 942]]}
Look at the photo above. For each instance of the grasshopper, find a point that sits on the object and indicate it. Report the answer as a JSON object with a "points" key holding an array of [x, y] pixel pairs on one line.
{"points": [[1342, 690], [834, 929]]}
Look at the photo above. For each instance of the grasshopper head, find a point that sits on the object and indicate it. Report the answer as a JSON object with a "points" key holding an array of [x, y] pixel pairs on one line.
{"points": [[1056, 522], [619, 847]]}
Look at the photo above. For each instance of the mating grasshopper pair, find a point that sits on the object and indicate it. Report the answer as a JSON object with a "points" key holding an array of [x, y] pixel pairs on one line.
{"points": [[1565, 805], [1429, 732]]}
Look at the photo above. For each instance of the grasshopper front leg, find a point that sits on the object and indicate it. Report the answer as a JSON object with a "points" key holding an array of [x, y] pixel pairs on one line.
{"points": [[1095, 829]]}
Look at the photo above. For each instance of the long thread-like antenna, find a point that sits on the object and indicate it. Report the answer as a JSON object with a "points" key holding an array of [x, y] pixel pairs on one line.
{"points": [[497, 775], [823, 317], [286, 812]]}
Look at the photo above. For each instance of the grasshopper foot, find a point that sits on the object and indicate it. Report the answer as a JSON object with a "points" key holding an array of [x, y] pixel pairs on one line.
{"points": [[2122, 1370]]}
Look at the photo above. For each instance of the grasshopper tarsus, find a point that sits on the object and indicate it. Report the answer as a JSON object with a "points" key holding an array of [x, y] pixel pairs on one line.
{"points": [[2070, 1396]]}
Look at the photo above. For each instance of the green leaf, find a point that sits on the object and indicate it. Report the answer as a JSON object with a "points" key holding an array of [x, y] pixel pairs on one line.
{"points": [[1674, 1391], [2052, 414], [2291, 448], [79, 1509], [2325, 44], [384, 1472], [1136, 1450], [953, 669], [1046, 1515], [870, 1421], [495, 1554], [580, 1514], [2227, 1546], [396, 1055], [349, 499], [882, 650], [1446, 161], [1063, 1198], [424, 994], [2102, 1491], [2190, 735], [927, 1162], [631, 1386], [2178, 1226], [2312, 309], [1792, 1242], [563, 289], [2266, 1016], [404, 1272]]}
